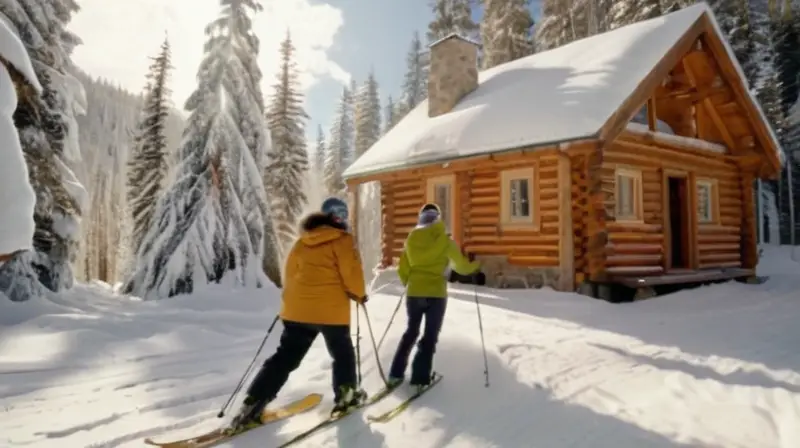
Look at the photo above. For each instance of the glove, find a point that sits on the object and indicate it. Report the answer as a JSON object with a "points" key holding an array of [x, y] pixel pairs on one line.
{"points": [[364, 300]]}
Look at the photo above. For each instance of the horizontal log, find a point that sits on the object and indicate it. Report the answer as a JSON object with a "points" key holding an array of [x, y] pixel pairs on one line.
{"points": [[633, 249], [634, 270], [623, 227], [492, 180], [409, 203], [484, 200], [511, 249], [710, 228], [484, 210], [509, 239], [712, 238], [716, 257], [730, 211], [533, 260], [493, 191], [633, 260], [720, 265], [484, 220], [415, 192], [718, 247]]}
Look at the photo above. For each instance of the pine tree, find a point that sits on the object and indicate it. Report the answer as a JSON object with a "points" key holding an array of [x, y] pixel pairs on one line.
{"points": [[452, 16], [734, 18], [147, 169], [390, 115], [319, 153], [338, 151], [211, 221], [506, 31], [48, 136], [367, 116], [415, 82], [288, 159]]}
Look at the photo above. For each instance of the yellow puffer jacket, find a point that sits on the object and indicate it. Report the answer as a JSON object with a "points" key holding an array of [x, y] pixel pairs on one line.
{"points": [[323, 273]]}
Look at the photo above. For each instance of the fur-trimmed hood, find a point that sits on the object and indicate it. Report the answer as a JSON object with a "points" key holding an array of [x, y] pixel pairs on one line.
{"points": [[319, 228]]}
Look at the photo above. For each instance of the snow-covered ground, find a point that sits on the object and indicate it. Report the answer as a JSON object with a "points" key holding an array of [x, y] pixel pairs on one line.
{"points": [[715, 366]]}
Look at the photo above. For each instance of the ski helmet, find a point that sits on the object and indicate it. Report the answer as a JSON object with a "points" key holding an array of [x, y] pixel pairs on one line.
{"points": [[337, 208]]}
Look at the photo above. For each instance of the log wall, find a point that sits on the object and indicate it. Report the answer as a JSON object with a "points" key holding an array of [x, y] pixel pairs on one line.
{"points": [[477, 225], [642, 247]]}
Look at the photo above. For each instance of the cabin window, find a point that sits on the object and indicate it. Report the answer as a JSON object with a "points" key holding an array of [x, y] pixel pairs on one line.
{"points": [[628, 195], [517, 197], [440, 192], [706, 201]]}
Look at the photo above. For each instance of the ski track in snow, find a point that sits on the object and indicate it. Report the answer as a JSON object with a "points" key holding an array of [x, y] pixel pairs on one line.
{"points": [[714, 366]]}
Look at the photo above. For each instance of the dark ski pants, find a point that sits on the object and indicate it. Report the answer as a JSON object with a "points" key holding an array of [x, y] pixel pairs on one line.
{"points": [[417, 308], [295, 341]]}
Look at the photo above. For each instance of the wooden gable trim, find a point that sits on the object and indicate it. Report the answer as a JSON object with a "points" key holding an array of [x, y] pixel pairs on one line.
{"points": [[729, 72], [619, 119]]}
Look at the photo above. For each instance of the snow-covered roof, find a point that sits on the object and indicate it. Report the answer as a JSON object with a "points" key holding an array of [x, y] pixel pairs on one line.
{"points": [[561, 95], [14, 52], [455, 35]]}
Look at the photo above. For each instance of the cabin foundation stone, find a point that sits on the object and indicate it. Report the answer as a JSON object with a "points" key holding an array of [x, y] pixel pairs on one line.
{"points": [[501, 274]]}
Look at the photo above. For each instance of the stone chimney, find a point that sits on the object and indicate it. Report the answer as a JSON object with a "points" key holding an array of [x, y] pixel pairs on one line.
{"points": [[453, 73]]}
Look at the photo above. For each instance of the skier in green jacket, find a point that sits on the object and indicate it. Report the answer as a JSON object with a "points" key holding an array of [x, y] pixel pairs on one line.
{"points": [[426, 255]]}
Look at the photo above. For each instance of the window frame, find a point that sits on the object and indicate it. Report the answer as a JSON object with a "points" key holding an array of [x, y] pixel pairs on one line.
{"points": [[713, 200], [449, 180], [507, 221], [638, 201]]}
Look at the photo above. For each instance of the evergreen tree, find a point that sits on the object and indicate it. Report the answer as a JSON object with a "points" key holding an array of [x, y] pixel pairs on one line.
{"points": [[452, 16], [506, 31], [210, 223], [367, 116], [319, 153], [390, 115], [289, 157], [734, 18], [147, 169], [338, 151], [48, 136], [415, 82]]}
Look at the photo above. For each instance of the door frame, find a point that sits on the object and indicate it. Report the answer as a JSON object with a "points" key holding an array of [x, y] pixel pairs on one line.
{"points": [[690, 243], [430, 196]]}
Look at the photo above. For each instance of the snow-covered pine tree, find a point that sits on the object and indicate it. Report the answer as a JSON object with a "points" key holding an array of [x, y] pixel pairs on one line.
{"points": [[390, 114], [734, 17], [211, 219], [147, 167], [288, 159], [319, 153], [415, 82], [49, 138], [506, 31], [558, 25], [338, 150], [452, 16], [367, 116]]}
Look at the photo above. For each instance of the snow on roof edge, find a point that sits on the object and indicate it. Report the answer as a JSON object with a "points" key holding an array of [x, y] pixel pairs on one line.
{"points": [[740, 71], [451, 35], [445, 158]]}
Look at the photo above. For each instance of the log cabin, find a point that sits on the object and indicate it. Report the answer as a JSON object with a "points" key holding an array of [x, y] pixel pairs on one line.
{"points": [[626, 158]]}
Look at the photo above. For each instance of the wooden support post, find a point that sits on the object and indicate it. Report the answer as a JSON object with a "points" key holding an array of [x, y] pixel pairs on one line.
{"points": [[387, 223], [596, 224], [353, 189], [652, 118], [749, 244], [566, 257], [691, 199]]}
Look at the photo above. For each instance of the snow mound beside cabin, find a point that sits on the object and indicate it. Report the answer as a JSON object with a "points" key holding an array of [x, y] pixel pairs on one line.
{"points": [[713, 366]]}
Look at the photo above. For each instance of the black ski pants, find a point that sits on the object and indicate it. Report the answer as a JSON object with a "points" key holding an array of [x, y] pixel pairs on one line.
{"points": [[295, 342], [432, 310]]}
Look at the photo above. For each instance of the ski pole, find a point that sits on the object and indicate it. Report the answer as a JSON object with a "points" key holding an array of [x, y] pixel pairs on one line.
{"points": [[391, 320], [249, 368], [483, 344], [358, 345], [374, 346]]}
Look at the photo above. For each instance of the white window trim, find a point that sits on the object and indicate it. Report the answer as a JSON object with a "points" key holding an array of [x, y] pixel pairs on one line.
{"points": [[638, 202], [506, 177], [449, 179], [713, 201]]}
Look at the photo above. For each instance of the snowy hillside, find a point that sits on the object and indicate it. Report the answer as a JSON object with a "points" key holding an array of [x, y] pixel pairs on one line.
{"points": [[715, 366]]}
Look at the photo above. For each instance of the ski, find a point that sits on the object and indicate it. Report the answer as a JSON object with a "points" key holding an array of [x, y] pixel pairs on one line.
{"points": [[392, 413], [220, 435], [335, 417]]}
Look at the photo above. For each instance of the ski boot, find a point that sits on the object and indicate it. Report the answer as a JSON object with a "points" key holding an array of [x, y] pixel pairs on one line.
{"points": [[349, 398], [249, 415], [393, 382]]}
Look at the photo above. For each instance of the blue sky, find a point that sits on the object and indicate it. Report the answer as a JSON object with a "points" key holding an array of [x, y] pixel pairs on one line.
{"points": [[376, 34]]}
